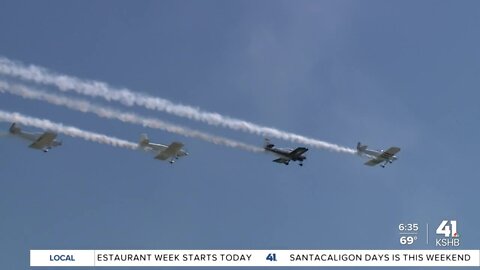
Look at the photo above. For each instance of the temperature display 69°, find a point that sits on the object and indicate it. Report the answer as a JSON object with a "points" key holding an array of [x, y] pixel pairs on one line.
{"points": [[408, 233]]}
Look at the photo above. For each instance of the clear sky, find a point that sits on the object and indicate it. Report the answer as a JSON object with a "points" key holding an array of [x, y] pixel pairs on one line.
{"points": [[386, 73]]}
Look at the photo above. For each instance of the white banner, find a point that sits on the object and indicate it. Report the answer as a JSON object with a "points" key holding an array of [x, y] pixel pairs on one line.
{"points": [[275, 258]]}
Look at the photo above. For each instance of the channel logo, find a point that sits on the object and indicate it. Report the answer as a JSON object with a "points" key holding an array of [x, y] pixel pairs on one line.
{"points": [[450, 237]]}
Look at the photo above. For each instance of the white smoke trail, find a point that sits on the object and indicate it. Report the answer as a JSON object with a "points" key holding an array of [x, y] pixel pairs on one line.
{"points": [[130, 98], [102, 111], [67, 130]]}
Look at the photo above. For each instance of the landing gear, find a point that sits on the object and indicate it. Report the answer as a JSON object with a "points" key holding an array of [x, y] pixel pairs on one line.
{"points": [[172, 161], [300, 164]]}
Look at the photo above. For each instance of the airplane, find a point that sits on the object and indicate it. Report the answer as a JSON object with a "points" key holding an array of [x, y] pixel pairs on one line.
{"points": [[286, 155], [378, 156], [41, 141], [162, 152]]}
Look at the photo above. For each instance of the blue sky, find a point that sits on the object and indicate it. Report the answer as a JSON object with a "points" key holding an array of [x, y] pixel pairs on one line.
{"points": [[383, 72]]}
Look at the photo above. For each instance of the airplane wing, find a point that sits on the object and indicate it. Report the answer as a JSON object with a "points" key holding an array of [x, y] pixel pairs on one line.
{"points": [[170, 151], [298, 152], [44, 140], [390, 152], [281, 160], [373, 162]]}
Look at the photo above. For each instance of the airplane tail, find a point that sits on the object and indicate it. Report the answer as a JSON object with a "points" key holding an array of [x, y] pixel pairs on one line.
{"points": [[144, 141], [14, 129], [267, 143], [361, 148]]}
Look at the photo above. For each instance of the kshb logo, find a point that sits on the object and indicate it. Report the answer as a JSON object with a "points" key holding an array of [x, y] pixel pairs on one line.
{"points": [[448, 228]]}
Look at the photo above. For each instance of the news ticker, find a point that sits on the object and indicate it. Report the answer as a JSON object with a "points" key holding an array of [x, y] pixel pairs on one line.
{"points": [[256, 258]]}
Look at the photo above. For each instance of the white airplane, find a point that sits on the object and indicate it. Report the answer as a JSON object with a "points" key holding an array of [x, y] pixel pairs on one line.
{"points": [[378, 156], [41, 141], [286, 155], [162, 152]]}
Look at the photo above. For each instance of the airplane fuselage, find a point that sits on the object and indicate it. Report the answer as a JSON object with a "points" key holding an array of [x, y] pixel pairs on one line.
{"points": [[33, 137], [153, 147], [158, 147], [377, 153], [285, 153], [162, 152], [27, 136], [378, 156]]}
